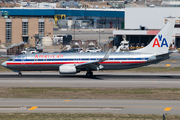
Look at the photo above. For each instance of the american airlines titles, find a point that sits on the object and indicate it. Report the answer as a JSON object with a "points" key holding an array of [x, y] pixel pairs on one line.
{"points": [[49, 56]]}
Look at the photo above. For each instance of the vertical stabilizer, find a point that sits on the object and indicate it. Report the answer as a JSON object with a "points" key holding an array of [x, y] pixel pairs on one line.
{"points": [[160, 43]]}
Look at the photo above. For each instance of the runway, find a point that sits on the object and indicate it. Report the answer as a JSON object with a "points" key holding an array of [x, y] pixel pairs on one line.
{"points": [[89, 106], [100, 79]]}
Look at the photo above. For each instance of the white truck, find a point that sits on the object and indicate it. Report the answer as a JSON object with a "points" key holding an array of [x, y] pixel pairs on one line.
{"points": [[124, 45]]}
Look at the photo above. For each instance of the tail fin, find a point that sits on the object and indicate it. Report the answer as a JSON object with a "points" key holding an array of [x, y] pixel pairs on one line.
{"points": [[160, 43]]}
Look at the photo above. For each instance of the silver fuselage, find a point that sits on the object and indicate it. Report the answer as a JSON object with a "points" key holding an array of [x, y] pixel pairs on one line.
{"points": [[52, 61]]}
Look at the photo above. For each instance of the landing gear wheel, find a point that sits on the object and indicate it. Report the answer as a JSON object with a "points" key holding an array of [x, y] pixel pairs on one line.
{"points": [[89, 74], [20, 74]]}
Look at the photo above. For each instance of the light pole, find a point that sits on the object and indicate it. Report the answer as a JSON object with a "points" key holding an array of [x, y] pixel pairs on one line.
{"points": [[99, 36], [74, 30]]}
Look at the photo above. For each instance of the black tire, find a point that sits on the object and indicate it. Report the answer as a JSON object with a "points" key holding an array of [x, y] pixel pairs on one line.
{"points": [[89, 74], [20, 74]]}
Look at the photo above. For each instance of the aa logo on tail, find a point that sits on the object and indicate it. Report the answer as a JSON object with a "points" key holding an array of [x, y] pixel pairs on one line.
{"points": [[161, 40]]}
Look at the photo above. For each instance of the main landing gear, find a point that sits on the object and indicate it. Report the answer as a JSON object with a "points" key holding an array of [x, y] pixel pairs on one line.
{"points": [[19, 74], [89, 74]]}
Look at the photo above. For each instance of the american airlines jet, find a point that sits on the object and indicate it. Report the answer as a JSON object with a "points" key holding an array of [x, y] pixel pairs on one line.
{"points": [[72, 63]]}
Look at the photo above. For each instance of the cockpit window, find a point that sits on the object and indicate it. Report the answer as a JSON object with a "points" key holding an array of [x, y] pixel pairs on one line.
{"points": [[10, 59]]}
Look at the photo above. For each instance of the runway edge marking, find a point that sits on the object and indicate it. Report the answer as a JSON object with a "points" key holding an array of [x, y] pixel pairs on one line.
{"points": [[66, 100], [33, 108], [168, 65], [167, 109]]}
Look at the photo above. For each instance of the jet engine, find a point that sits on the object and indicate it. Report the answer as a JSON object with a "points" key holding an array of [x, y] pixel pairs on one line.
{"points": [[67, 69]]}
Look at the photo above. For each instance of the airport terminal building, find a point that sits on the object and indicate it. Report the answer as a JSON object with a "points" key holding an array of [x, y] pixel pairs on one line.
{"points": [[81, 17], [17, 29], [71, 18], [139, 25]]}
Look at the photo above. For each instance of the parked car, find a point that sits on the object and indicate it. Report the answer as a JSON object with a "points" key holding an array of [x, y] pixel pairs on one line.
{"points": [[98, 49], [92, 49], [29, 50], [73, 50], [80, 50]]}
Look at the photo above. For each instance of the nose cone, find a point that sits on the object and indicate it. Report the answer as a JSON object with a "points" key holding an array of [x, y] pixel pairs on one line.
{"points": [[4, 64]]}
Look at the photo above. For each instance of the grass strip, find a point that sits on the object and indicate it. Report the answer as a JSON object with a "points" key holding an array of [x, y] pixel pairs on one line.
{"points": [[91, 93], [78, 116]]}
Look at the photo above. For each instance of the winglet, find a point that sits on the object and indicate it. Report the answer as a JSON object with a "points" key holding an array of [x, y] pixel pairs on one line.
{"points": [[118, 49], [106, 56]]}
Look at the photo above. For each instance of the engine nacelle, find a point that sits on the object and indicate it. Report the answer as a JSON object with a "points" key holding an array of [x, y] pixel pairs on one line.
{"points": [[67, 69]]}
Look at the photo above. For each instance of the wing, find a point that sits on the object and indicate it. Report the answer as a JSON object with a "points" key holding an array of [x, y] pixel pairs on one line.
{"points": [[95, 64]]}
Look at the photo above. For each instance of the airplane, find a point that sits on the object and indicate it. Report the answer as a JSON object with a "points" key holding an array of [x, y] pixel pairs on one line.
{"points": [[72, 63]]}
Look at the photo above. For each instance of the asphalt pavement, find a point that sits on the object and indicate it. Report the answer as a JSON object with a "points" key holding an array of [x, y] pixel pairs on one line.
{"points": [[171, 107], [100, 79]]}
